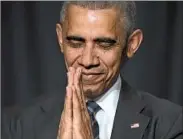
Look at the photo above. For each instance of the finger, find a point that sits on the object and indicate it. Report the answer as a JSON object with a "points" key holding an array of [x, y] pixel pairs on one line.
{"points": [[76, 109], [80, 93], [68, 102], [76, 82], [77, 76], [67, 112], [79, 88], [65, 128], [81, 126], [70, 76]]}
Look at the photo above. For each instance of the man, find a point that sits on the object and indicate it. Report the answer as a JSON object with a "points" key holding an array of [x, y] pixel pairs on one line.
{"points": [[96, 39]]}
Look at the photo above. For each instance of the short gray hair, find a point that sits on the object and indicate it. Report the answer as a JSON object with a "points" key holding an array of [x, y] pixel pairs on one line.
{"points": [[127, 10]]}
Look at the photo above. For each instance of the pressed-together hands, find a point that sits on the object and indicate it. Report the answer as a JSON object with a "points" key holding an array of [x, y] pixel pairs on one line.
{"points": [[75, 120]]}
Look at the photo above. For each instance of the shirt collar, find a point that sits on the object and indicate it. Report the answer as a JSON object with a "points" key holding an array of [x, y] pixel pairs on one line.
{"points": [[108, 102]]}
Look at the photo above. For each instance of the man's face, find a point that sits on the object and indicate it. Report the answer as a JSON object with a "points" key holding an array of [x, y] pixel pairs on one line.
{"points": [[93, 40]]}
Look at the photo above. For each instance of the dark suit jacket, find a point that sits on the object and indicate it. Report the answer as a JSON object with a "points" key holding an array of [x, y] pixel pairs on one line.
{"points": [[157, 118]]}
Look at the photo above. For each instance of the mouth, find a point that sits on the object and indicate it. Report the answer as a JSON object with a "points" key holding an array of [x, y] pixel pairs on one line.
{"points": [[92, 78]]}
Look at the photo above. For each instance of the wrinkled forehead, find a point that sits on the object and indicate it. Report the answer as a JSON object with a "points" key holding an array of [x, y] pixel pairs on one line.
{"points": [[73, 10], [81, 19]]}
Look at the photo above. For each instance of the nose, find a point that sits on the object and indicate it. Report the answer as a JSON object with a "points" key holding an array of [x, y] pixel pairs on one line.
{"points": [[89, 58]]}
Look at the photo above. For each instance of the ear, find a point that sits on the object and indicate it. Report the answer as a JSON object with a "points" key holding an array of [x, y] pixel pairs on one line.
{"points": [[59, 36], [134, 42]]}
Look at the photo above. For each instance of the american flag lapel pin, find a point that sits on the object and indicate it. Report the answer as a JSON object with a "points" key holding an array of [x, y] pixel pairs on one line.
{"points": [[135, 125]]}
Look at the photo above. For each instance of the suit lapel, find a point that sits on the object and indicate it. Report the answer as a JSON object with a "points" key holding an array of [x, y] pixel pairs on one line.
{"points": [[47, 122], [129, 123]]}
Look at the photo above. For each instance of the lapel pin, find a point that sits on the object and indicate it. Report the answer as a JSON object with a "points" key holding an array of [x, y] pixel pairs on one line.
{"points": [[135, 125]]}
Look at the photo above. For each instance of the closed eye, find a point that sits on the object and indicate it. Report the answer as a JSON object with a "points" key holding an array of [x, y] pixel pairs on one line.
{"points": [[105, 42], [75, 41]]}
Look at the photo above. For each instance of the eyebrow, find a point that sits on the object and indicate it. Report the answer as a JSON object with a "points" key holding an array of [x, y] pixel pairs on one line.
{"points": [[105, 39], [99, 40], [75, 38]]}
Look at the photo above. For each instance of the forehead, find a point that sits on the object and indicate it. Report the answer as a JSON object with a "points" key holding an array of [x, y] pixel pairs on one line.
{"points": [[92, 22]]}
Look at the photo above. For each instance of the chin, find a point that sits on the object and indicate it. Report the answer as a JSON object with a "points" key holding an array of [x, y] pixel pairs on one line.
{"points": [[92, 92]]}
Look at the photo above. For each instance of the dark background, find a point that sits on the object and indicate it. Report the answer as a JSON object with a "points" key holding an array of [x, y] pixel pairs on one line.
{"points": [[32, 64]]}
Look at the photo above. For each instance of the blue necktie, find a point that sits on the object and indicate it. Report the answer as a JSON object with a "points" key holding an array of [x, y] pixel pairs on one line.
{"points": [[93, 108]]}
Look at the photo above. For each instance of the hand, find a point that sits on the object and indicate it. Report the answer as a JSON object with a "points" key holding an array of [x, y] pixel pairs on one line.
{"points": [[75, 120]]}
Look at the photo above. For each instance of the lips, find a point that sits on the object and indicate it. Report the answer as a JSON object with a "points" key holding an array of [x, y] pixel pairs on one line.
{"points": [[92, 78]]}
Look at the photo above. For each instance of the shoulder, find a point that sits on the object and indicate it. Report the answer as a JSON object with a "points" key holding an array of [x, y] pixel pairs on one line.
{"points": [[160, 106], [44, 102], [166, 117], [22, 119]]}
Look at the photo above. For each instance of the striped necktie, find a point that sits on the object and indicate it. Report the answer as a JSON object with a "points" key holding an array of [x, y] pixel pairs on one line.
{"points": [[93, 108]]}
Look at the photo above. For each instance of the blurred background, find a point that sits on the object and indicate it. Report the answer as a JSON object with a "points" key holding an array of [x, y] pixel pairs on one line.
{"points": [[32, 65]]}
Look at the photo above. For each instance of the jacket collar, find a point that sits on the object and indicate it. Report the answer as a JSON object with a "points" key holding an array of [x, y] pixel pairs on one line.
{"points": [[129, 123]]}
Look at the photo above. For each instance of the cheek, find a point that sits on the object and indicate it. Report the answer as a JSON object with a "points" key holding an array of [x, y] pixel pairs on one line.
{"points": [[112, 59], [70, 56]]}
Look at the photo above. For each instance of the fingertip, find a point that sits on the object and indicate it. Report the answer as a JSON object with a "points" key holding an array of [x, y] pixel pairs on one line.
{"points": [[70, 68], [80, 70]]}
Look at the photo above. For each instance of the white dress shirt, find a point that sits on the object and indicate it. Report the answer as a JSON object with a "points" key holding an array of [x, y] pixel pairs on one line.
{"points": [[108, 103]]}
